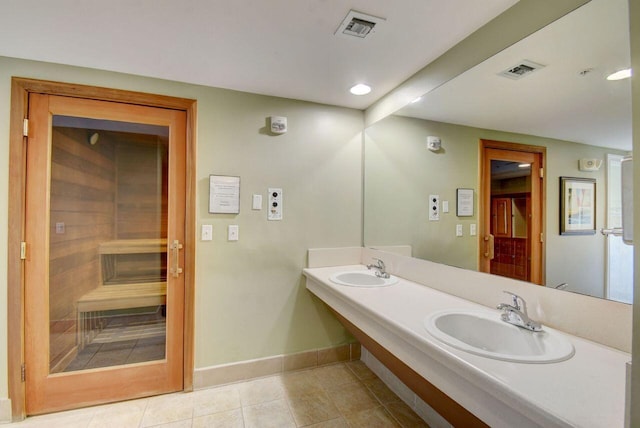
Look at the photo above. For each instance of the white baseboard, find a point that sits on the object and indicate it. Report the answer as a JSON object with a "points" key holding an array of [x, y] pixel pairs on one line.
{"points": [[207, 377], [5, 410]]}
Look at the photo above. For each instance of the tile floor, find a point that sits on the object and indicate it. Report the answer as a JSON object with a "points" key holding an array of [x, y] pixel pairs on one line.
{"points": [[125, 339], [337, 395]]}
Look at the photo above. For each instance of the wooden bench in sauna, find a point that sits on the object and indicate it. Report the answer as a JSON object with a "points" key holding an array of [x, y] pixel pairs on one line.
{"points": [[131, 287]]}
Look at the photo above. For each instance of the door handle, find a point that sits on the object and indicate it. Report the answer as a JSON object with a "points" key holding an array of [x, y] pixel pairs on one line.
{"points": [[175, 247], [616, 231], [489, 246]]}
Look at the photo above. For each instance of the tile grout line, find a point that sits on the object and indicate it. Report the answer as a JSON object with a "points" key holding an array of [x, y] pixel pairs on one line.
{"points": [[382, 404]]}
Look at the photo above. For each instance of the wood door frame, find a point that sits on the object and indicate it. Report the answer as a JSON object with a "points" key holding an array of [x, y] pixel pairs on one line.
{"points": [[484, 201], [20, 89]]}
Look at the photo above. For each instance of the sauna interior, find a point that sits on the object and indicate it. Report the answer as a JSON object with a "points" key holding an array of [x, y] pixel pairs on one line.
{"points": [[108, 228]]}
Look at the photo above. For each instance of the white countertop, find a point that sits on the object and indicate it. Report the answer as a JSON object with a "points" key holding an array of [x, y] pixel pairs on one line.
{"points": [[587, 390]]}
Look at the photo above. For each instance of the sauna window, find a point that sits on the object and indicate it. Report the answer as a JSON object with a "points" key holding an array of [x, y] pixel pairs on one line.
{"points": [[108, 215]]}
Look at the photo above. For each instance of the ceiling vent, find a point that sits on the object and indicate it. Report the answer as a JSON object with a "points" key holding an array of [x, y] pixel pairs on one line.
{"points": [[359, 25], [522, 69]]}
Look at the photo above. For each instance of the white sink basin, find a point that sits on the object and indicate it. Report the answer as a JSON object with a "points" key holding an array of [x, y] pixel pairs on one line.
{"points": [[484, 333], [361, 278]]}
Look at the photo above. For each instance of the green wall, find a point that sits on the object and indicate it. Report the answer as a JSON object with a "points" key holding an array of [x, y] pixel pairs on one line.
{"points": [[250, 295], [400, 174]]}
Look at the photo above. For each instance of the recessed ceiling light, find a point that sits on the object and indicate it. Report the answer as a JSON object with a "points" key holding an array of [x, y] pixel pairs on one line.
{"points": [[619, 75], [360, 89], [416, 100]]}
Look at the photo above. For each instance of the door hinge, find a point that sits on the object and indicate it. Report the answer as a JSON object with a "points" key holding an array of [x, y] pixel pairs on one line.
{"points": [[23, 373], [541, 172], [541, 237], [25, 127], [23, 251]]}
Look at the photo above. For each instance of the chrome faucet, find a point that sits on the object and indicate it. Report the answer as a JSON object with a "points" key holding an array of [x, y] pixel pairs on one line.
{"points": [[381, 269], [516, 313]]}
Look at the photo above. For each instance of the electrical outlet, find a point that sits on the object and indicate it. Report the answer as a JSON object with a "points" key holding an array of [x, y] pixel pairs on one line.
{"points": [[60, 228], [434, 207]]}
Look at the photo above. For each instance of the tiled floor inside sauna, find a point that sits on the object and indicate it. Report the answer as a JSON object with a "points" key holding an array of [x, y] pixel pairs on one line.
{"points": [[124, 340], [337, 395]]}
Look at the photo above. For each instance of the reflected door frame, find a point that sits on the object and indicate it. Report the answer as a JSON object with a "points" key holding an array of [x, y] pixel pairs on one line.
{"points": [[20, 90], [498, 150], [614, 201]]}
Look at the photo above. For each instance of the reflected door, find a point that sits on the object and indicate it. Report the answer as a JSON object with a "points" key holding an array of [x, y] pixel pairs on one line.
{"points": [[104, 289], [619, 255], [511, 207]]}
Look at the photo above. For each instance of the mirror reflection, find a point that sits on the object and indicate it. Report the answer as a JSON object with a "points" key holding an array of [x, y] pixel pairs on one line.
{"points": [[563, 108], [510, 219]]}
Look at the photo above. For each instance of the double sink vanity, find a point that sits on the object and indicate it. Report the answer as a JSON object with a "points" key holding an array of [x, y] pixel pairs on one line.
{"points": [[474, 364]]}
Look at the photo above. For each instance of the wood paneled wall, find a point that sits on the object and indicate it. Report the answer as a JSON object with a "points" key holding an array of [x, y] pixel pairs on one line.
{"points": [[82, 199], [115, 189], [142, 188], [141, 203]]}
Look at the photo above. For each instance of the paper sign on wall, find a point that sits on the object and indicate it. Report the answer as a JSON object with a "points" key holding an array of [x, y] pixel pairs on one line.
{"points": [[464, 205], [224, 194]]}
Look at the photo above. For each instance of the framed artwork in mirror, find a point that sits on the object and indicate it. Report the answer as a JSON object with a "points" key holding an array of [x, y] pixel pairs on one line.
{"points": [[577, 206]]}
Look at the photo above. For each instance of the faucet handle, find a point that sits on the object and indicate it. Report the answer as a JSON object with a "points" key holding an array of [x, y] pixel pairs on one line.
{"points": [[518, 302]]}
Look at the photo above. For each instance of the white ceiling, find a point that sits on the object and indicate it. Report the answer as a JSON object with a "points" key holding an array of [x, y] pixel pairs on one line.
{"points": [[556, 101], [284, 48]]}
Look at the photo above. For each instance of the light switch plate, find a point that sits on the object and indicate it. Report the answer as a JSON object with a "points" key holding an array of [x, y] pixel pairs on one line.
{"points": [[458, 230], [472, 229], [207, 232], [257, 202], [445, 206], [233, 232]]}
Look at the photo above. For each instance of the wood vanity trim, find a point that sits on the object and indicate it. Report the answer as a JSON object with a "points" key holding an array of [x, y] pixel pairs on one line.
{"points": [[449, 409]]}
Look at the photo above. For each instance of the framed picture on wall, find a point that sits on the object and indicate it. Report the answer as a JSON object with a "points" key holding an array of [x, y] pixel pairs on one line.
{"points": [[577, 206]]}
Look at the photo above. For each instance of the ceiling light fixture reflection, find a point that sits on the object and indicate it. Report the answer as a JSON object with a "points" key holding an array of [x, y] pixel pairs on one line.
{"points": [[619, 75], [360, 89], [524, 165], [416, 100]]}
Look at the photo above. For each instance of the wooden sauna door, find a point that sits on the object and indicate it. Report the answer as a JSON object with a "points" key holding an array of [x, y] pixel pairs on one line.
{"points": [[104, 224], [497, 243]]}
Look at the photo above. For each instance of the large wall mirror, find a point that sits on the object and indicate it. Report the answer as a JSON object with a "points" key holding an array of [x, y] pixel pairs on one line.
{"points": [[557, 98]]}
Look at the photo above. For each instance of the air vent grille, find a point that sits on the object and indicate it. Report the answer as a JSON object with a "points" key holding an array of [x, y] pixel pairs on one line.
{"points": [[520, 70], [359, 27], [357, 24]]}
